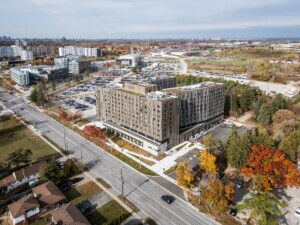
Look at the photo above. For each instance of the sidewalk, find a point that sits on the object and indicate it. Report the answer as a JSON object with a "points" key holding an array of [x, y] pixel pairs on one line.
{"points": [[127, 153], [169, 161], [89, 174]]}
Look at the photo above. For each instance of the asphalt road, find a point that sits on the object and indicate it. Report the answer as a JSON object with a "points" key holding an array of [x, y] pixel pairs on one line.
{"points": [[143, 192]]}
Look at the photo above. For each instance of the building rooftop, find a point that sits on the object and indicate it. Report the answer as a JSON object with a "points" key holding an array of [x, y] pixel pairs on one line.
{"points": [[131, 92], [23, 205], [69, 215], [22, 173], [176, 90], [129, 56], [158, 95], [48, 193]]}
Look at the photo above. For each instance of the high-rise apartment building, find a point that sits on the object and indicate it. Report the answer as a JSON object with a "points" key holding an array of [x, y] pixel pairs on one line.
{"points": [[42, 50], [26, 55], [10, 51], [158, 120], [81, 51], [149, 120], [74, 64]]}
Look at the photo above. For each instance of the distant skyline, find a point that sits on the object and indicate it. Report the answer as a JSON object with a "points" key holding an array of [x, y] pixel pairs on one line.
{"points": [[113, 19]]}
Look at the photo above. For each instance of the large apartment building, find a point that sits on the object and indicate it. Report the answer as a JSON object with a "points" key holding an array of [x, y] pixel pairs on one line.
{"points": [[81, 51], [201, 106], [158, 120]]}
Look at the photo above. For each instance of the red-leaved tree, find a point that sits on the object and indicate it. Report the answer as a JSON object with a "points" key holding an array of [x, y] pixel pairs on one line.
{"points": [[271, 169], [93, 132]]}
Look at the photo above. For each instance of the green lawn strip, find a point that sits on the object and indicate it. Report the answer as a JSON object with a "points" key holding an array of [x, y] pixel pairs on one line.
{"points": [[82, 122], [101, 181], [82, 192], [119, 155], [170, 170], [129, 203], [134, 164], [108, 213], [14, 135], [180, 147]]}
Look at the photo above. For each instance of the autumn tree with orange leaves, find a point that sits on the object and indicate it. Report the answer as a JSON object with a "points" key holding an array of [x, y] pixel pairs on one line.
{"points": [[93, 132], [217, 194], [270, 168], [208, 162], [185, 175]]}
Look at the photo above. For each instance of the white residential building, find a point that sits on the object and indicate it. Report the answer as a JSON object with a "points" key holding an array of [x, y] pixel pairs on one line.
{"points": [[81, 51], [20, 177], [26, 55]]}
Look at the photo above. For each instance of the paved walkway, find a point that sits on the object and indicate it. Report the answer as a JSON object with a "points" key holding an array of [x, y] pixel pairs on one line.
{"points": [[169, 161]]}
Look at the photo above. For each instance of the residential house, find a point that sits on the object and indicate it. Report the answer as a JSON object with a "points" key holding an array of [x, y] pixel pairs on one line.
{"points": [[68, 215], [49, 195], [21, 177], [43, 198], [24, 209]]}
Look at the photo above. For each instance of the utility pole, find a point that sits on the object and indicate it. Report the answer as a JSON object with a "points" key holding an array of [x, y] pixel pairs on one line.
{"points": [[65, 141], [122, 182], [140, 159]]}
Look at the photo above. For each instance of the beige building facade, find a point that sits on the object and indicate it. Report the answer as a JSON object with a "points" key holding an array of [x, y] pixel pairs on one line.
{"points": [[158, 120]]}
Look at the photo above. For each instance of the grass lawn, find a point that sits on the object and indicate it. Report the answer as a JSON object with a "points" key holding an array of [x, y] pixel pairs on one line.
{"points": [[126, 159], [101, 181], [82, 192], [14, 135], [110, 211], [180, 147], [170, 170], [131, 147], [134, 164]]}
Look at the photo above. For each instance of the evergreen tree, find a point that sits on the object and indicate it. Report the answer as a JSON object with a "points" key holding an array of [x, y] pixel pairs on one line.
{"points": [[238, 150], [52, 171], [291, 145], [264, 208], [278, 102], [18, 157], [265, 114]]}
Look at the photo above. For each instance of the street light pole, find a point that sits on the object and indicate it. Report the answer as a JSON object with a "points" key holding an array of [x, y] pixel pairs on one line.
{"points": [[122, 182], [140, 159], [65, 140]]}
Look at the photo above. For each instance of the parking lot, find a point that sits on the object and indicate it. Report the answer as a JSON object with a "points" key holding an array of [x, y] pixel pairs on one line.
{"points": [[86, 105], [87, 88], [222, 131]]}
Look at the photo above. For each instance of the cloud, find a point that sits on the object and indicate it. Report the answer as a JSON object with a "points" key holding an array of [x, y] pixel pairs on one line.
{"points": [[118, 18]]}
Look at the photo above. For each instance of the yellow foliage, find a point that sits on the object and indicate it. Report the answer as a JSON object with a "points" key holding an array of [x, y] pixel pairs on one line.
{"points": [[208, 162], [185, 176]]}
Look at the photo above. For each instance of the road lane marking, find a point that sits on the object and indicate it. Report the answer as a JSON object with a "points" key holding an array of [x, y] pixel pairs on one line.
{"points": [[48, 120]]}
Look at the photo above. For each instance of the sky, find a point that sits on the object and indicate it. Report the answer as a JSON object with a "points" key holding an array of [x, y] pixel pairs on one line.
{"points": [[105, 19]]}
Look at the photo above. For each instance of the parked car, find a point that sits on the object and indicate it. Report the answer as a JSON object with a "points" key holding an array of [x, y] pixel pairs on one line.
{"points": [[85, 207], [34, 182], [75, 180], [239, 184], [65, 187], [221, 175], [168, 199], [233, 212], [297, 212]]}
